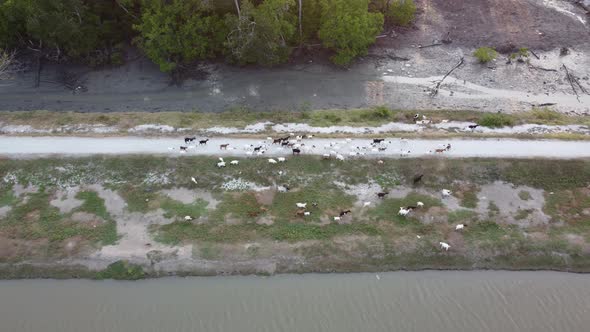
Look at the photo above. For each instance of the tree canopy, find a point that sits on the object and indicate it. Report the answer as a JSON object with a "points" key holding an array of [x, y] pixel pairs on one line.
{"points": [[261, 34], [179, 31], [349, 28], [175, 33]]}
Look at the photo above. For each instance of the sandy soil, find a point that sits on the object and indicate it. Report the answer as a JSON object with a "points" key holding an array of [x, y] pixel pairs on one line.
{"points": [[542, 25]]}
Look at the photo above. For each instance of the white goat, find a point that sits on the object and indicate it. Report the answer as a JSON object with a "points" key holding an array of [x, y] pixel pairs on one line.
{"points": [[193, 179], [188, 218], [459, 227], [420, 204], [301, 205], [340, 157], [306, 213], [272, 161], [444, 245], [446, 192], [336, 218], [365, 204], [221, 163], [403, 212], [281, 159], [234, 162]]}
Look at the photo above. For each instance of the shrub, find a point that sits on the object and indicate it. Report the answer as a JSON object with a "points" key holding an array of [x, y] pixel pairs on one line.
{"points": [[495, 120], [121, 270], [401, 12], [546, 114], [485, 54]]}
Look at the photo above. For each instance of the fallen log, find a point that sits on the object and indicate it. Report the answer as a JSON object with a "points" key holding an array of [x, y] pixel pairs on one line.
{"points": [[431, 45], [435, 90], [543, 69]]}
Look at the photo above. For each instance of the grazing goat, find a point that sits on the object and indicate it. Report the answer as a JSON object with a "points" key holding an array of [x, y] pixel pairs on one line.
{"points": [[223, 146], [257, 148], [272, 161], [444, 245], [306, 213], [234, 162], [193, 179], [378, 140], [446, 192], [221, 163], [296, 151], [300, 213], [382, 194], [473, 126], [277, 141], [440, 150], [283, 189], [337, 218], [281, 159], [343, 213], [340, 157], [203, 142], [189, 139], [416, 116], [418, 178], [188, 218], [301, 205], [326, 156], [420, 204], [403, 212], [365, 204], [448, 147], [459, 227], [183, 148]]}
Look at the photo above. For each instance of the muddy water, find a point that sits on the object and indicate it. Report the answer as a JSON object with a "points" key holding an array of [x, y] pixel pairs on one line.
{"points": [[400, 301]]}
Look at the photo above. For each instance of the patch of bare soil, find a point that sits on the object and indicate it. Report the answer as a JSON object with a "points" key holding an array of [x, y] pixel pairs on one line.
{"points": [[65, 200], [505, 24]]}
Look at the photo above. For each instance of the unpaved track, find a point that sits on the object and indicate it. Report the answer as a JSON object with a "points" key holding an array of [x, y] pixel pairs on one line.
{"points": [[28, 147]]}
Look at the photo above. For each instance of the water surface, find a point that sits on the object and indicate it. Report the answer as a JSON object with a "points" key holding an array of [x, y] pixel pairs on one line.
{"points": [[399, 301]]}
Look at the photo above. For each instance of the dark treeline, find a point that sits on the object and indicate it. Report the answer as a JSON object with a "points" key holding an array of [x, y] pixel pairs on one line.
{"points": [[174, 33]]}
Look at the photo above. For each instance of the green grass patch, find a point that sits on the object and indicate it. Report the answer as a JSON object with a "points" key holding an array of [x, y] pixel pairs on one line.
{"points": [[469, 199], [388, 209], [330, 201], [7, 197], [121, 270], [37, 219], [461, 216], [523, 213], [495, 120], [485, 54], [524, 195], [173, 208], [92, 203]]}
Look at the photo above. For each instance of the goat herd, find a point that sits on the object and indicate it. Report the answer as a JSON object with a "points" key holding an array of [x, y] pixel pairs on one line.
{"points": [[297, 145]]}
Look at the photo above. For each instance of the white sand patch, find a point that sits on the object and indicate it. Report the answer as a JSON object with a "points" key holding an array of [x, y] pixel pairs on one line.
{"points": [[152, 128], [4, 211], [188, 196], [249, 129]]}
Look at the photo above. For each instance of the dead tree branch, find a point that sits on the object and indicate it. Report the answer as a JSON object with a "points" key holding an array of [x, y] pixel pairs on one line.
{"points": [[431, 45], [434, 91]]}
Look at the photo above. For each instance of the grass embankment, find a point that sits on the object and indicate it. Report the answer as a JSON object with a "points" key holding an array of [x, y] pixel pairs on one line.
{"points": [[370, 238], [241, 117]]}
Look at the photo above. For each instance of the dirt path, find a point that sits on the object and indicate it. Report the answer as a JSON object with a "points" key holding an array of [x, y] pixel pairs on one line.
{"points": [[26, 147]]}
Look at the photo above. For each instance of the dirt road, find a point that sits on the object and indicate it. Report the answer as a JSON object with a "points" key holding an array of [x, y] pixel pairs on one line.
{"points": [[27, 147]]}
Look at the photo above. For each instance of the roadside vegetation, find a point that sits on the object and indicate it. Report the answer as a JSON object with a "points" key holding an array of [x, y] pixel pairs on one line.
{"points": [[372, 237], [178, 34], [485, 54], [64, 123]]}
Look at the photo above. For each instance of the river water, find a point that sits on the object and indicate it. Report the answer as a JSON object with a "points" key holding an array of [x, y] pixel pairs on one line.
{"points": [[400, 301]]}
